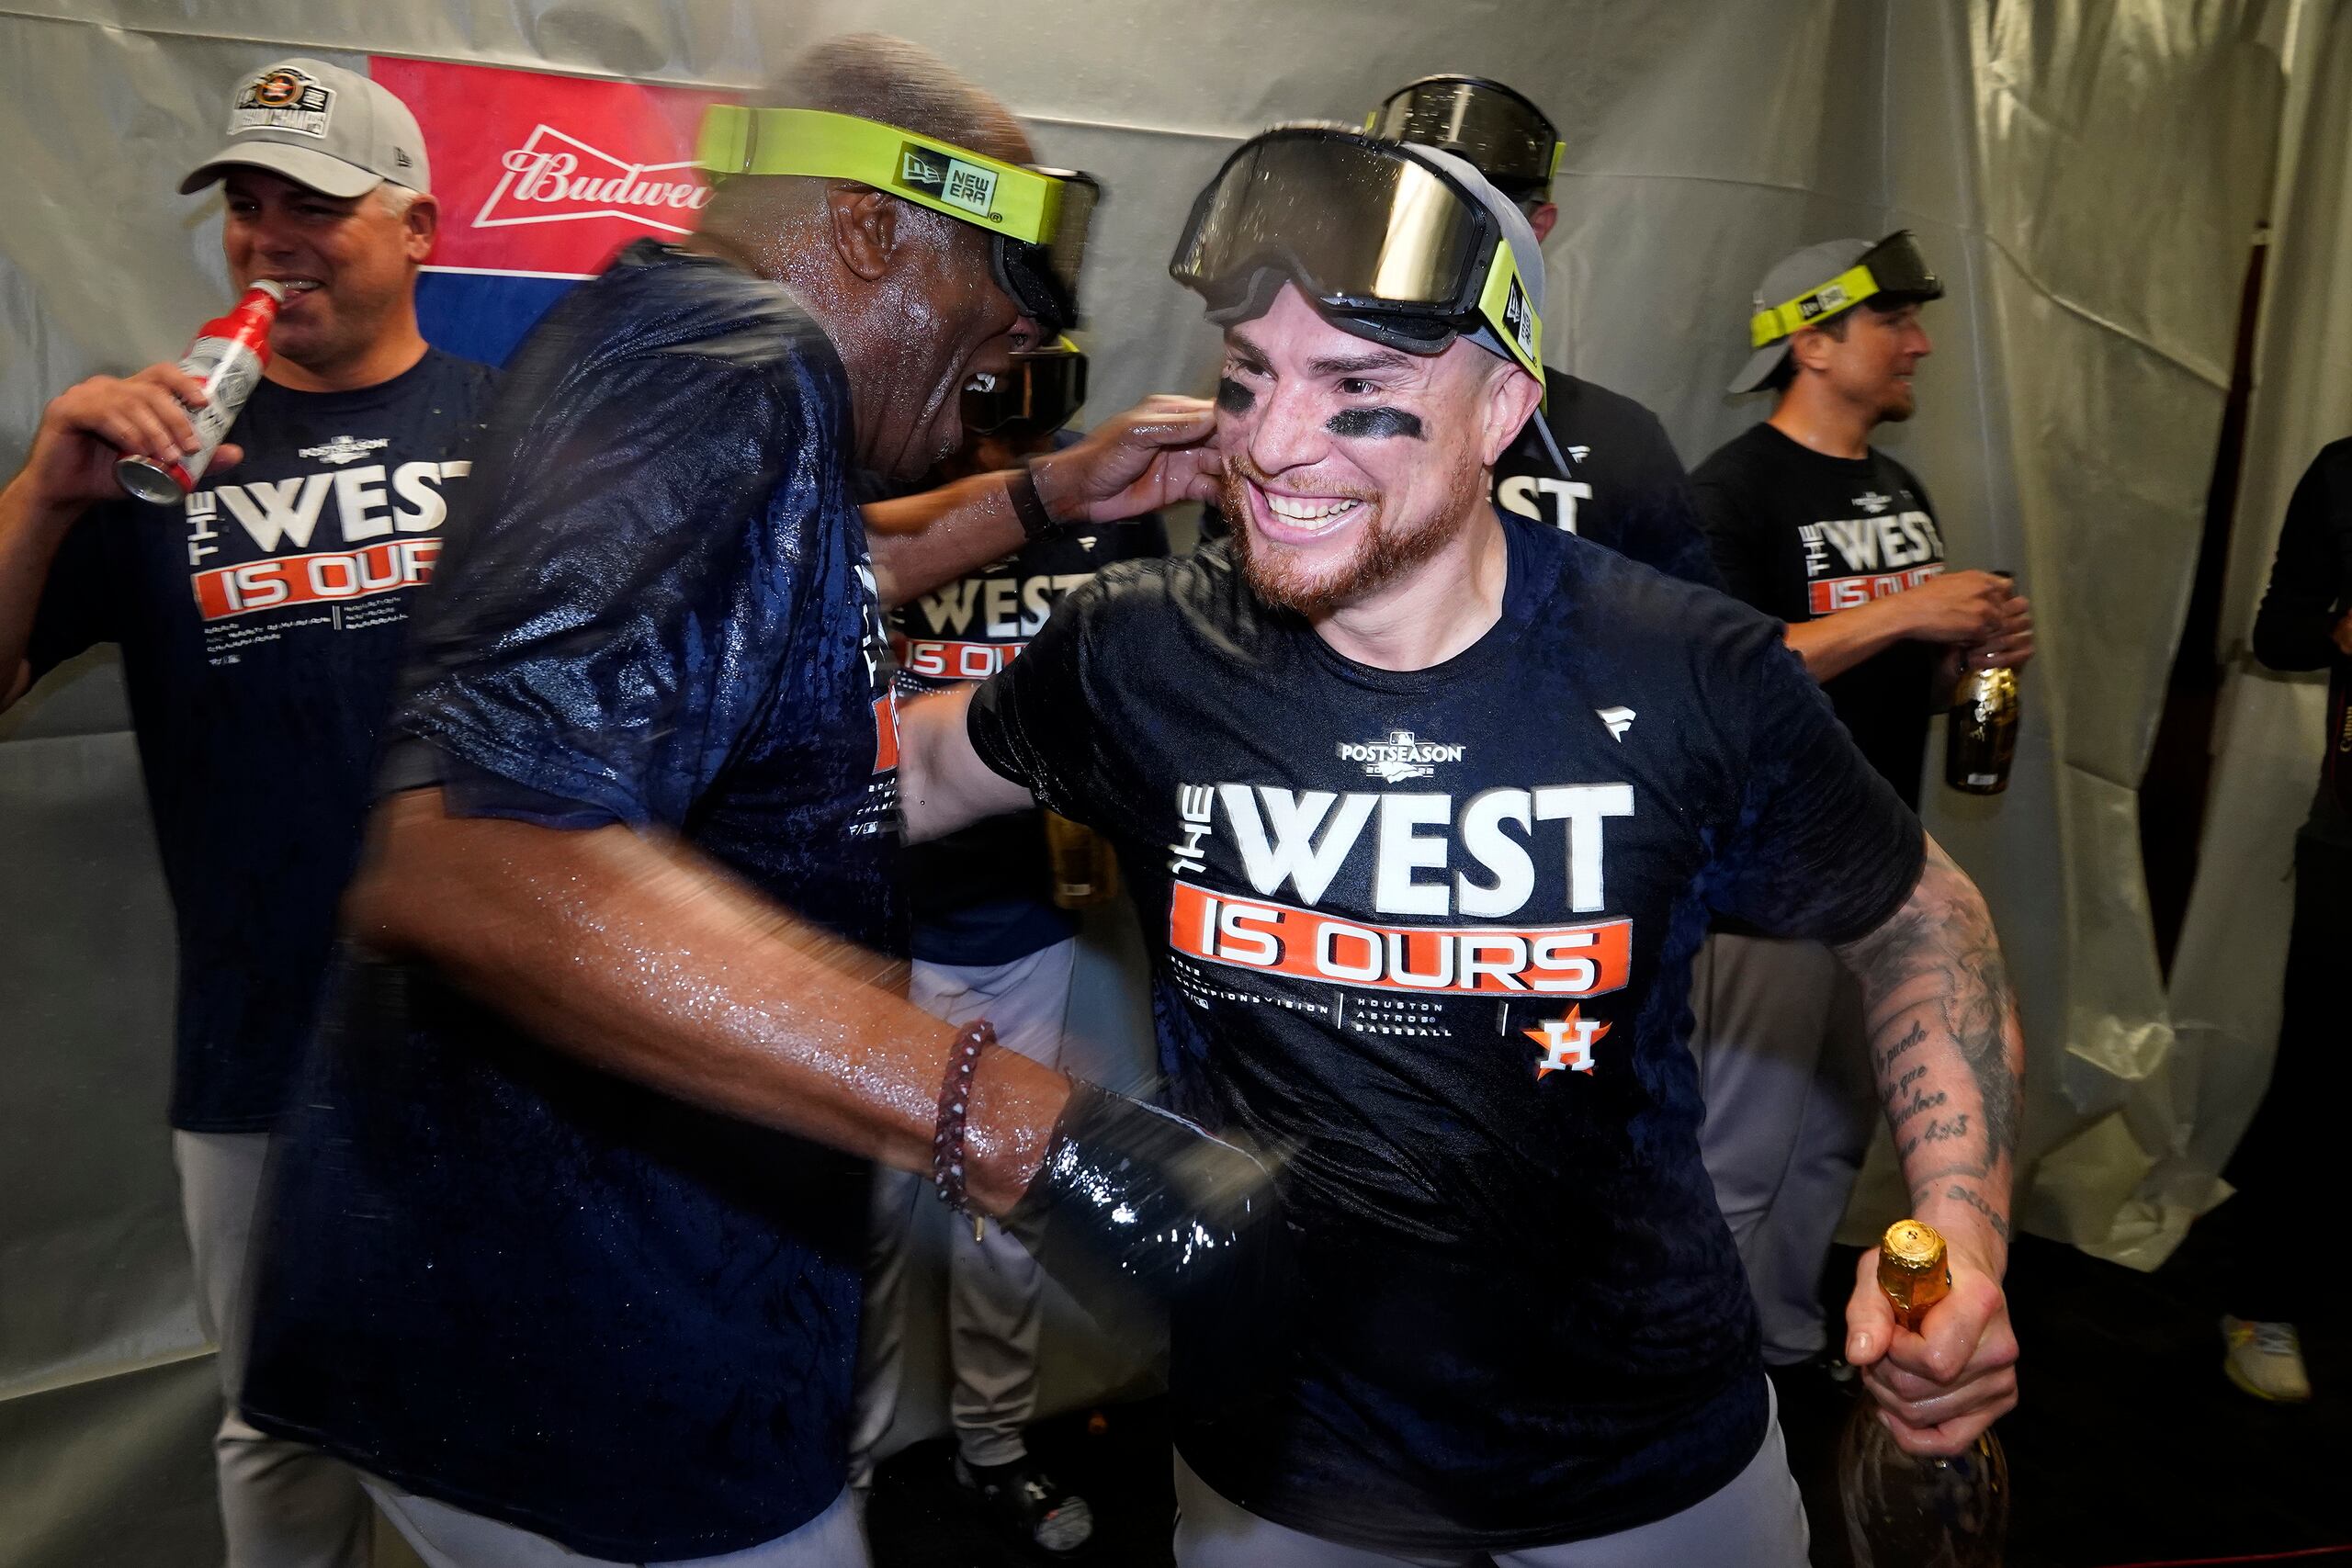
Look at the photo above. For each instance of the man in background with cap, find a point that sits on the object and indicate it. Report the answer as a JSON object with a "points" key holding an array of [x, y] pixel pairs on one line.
{"points": [[257, 706], [1608, 472], [1813, 526], [1432, 954]]}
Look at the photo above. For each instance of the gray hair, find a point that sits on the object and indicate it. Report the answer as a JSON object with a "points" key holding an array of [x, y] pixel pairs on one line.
{"points": [[396, 199], [880, 78], [875, 77]]}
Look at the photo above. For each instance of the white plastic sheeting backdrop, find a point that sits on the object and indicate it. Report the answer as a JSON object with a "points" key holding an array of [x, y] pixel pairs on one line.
{"points": [[2084, 174]]}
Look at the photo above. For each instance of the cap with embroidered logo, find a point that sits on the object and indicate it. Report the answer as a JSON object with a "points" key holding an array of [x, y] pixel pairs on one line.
{"points": [[320, 126]]}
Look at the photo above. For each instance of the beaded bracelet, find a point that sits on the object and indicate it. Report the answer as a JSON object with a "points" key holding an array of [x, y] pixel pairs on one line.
{"points": [[954, 1105]]}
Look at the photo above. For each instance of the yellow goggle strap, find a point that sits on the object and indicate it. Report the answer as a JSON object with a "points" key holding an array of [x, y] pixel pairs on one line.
{"points": [[1843, 292], [1504, 304], [1006, 198]]}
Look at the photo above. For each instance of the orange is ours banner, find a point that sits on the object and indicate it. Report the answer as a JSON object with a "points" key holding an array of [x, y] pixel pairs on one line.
{"points": [[1279, 939]]}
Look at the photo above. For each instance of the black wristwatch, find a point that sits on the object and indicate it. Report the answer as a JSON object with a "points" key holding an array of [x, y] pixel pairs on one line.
{"points": [[1036, 523]]}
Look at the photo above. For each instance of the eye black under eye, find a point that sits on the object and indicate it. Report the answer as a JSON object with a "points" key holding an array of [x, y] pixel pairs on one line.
{"points": [[1374, 424], [1233, 396]]}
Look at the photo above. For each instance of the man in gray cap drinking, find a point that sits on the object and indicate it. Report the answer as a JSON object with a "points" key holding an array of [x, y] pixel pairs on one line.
{"points": [[261, 619]]}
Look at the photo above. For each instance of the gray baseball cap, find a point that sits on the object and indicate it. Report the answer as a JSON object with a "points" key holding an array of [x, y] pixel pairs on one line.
{"points": [[1820, 282], [319, 125], [1517, 233], [1792, 276]]}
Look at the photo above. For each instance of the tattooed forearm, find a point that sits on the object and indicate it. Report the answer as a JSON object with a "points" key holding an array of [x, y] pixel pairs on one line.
{"points": [[1886, 1056], [1943, 1130], [1974, 1200], [1943, 1041], [1916, 1106]]}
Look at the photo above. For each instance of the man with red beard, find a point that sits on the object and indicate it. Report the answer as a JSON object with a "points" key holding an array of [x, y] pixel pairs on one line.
{"points": [[1427, 809]]}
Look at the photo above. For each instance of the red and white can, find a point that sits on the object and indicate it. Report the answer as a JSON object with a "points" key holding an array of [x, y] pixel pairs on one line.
{"points": [[227, 357]]}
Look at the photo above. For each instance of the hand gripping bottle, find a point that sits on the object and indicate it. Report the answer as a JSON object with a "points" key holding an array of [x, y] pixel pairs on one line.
{"points": [[1981, 736], [1904, 1510], [227, 357]]}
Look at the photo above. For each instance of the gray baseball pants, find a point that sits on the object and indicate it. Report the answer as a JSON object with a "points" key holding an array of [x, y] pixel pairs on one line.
{"points": [[1783, 1066], [994, 1286]]}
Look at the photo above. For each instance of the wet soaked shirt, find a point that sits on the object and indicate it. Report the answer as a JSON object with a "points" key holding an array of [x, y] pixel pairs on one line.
{"points": [[495, 1275], [261, 618], [1427, 936]]}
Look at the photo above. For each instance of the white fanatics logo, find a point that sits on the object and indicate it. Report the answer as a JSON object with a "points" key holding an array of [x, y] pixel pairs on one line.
{"points": [[556, 178], [1398, 757]]}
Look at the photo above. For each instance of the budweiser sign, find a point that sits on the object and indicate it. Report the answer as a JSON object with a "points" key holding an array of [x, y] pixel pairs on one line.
{"points": [[555, 178], [541, 176]]}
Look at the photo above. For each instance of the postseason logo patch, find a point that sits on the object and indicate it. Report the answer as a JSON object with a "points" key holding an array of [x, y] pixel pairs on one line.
{"points": [[283, 99], [946, 180]]}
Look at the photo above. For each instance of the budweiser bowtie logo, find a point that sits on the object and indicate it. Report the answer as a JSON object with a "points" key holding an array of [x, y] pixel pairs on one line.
{"points": [[556, 178]]}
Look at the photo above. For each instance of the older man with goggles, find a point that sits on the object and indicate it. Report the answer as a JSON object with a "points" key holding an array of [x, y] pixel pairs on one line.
{"points": [[563, 1249]]}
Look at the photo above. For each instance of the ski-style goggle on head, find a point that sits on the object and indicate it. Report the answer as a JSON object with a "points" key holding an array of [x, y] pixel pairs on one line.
{"points": [[1386, 242], [1491, 127], [1037, 216], [1036, 396], [1893, 270]]}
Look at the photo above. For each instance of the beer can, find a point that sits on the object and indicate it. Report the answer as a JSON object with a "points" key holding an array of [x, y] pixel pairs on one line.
{"points": [[228, 357]]}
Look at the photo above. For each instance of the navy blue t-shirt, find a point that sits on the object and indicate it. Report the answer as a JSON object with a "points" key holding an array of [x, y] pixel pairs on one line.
{"points": [[1624, 487], [1802, 534], [984, 896], [493, 1274], [1428, 935], [262, 620]]}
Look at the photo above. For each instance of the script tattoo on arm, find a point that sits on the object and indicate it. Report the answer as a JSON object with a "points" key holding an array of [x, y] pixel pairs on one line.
{"points": [[1944, 1043]]}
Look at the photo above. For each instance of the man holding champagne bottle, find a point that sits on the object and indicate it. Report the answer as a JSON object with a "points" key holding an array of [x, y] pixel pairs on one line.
{"points": [[1813, 526], [1426, 807]]}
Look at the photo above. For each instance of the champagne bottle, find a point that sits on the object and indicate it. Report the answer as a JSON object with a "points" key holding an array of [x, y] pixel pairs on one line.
{"points": [[1084, 870], [1981, 732], [1903, 1510], [2336, 767]]}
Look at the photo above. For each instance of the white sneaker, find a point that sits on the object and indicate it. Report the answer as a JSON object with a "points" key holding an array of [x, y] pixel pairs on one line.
{"points": [[2265, 1360], [1023, 1500]]}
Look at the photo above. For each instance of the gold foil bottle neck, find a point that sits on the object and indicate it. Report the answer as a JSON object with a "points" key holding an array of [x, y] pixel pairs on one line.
{"points": [[1912, 1270]]}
